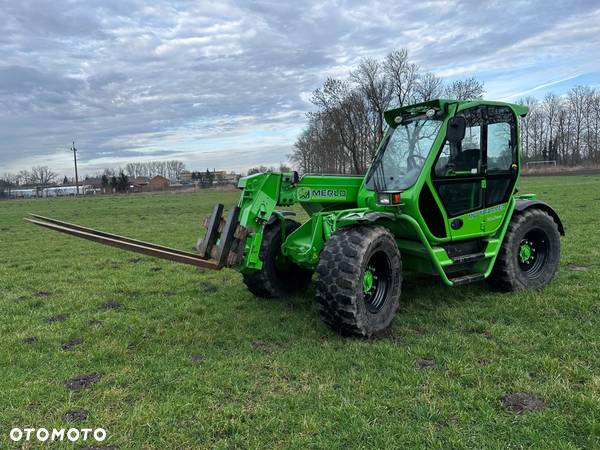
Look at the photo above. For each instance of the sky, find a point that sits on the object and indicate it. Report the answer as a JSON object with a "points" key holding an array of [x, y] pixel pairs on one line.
{"points": [[226, 84]]}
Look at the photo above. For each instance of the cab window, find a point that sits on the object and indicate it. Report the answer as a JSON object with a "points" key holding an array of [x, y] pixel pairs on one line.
{"points": [[501, 134], [463, 158]]}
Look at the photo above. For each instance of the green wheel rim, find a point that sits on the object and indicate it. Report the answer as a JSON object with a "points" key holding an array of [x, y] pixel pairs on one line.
{"points": [[367, 281], [525, 251]]}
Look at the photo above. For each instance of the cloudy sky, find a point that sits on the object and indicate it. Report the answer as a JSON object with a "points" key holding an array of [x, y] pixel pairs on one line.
{"points": [[225, 84]]}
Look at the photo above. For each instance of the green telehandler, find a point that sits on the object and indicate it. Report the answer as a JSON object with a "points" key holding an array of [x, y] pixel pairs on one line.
{"points": [[439, 198]]}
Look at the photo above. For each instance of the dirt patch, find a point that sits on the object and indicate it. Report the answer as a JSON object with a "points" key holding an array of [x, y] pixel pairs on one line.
{"points": [[43, 294], [480, 330], [576, 268], [76, 415], [155, 269], [57, 318], [134, 294], [72, 343], [425, 363], [484, 362], [82, 381], [207, 286], [261, 346], [386, 335], [30, 340], [198, 358], [110, 304], [95, 323], [520, 402], [33, 405]]}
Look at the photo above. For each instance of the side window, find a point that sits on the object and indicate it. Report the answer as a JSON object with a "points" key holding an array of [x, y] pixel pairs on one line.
{"points": [[500, 139], [463, 158], [458, 169]]}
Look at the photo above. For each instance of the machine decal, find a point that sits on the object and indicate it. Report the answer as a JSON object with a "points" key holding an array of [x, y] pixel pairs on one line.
{"points": [[306, 194], [483, 212]]}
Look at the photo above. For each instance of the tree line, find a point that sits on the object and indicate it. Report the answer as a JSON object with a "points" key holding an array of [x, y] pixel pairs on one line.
{"points": [[168, 169], [565, 129], [347, 125], [44, 176], [37, 175], [345, 129]]}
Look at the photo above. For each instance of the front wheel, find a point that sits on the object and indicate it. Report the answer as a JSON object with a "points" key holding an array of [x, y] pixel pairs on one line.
{"points": [[279, 277], [359, 279], [530, 253]]}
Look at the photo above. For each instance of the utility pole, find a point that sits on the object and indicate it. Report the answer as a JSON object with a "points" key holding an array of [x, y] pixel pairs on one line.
{"points": [[75, 161]]}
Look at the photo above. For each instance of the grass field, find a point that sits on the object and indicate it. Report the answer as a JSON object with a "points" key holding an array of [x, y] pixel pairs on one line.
{"points": [[190, 359]]}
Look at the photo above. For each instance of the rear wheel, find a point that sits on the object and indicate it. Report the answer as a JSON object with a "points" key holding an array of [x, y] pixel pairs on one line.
{"points": [[359, 278], [279, 277], [530, 253]]}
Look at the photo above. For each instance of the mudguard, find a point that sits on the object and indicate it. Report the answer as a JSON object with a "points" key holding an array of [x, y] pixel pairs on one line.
{"points": [[523, 204]]}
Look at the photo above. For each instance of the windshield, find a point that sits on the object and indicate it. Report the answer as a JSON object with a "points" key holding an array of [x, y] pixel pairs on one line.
{"points": [[404, 151]]}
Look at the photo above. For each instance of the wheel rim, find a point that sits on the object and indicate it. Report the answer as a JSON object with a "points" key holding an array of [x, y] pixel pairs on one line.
{"points": [[533, 253], [376, 281]]}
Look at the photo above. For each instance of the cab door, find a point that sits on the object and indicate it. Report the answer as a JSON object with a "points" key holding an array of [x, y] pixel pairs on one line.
{"points": [[501, 156], [474, 178]]}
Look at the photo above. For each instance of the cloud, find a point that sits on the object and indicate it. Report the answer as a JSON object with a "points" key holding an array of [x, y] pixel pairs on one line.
{"points": [[227, 84]]}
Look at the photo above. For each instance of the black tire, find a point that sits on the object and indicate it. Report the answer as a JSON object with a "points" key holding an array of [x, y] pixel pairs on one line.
{"points": [[513, 270], [348, 255], [275, 280]]}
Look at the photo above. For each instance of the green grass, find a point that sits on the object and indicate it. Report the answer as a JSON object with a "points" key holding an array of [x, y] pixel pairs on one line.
{"points": [[193, 360]]}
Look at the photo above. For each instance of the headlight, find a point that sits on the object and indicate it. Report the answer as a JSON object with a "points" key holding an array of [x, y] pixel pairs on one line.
{"points": [[388, 198]]}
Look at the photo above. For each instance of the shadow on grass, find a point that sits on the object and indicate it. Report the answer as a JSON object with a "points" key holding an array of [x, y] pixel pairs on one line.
{"points": [[421, 295]]}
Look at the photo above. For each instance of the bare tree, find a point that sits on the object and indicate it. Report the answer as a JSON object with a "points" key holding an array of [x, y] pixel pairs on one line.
{"points": [[348, 125], [403, 76], [42, 175], [429, 87], [376, 89], [467, 89], [564, 129], [23, 177], [343, 107]]}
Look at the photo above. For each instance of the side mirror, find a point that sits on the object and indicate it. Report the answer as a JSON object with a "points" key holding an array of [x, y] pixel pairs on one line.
{"points": [[457, 126]]}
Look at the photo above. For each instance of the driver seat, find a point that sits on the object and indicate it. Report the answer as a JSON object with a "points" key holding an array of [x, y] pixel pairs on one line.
{"points": [[467, 159]]}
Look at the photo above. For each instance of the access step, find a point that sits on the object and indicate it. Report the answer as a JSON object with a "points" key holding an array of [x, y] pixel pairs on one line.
{"points": [[467, 279], [471, 257]]}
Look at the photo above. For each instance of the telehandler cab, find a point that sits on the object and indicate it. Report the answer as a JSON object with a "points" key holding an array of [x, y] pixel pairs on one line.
{"points": [[439, 198]]}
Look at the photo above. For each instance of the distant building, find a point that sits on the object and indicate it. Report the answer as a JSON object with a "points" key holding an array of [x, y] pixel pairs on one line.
{"points": [[23, 193], [159, 182], [185, 177], [95, 182], [222, 177], [52, 191], [139, 183], [62, 191]]}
